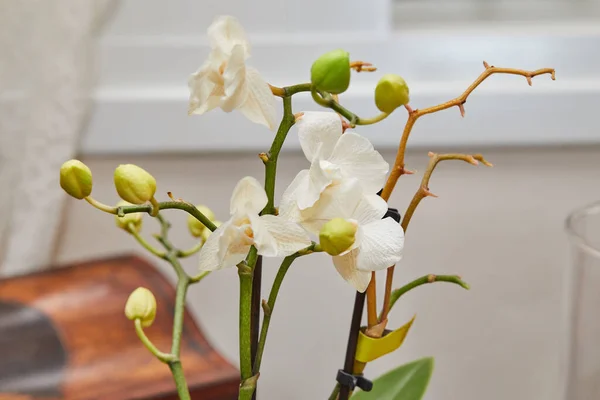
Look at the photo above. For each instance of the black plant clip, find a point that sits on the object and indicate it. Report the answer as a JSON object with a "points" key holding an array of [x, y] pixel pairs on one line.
{"points": [[393, 212], [353, 381]]}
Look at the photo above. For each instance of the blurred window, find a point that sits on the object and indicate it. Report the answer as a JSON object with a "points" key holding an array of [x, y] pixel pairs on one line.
{"points": [[415, 13]]}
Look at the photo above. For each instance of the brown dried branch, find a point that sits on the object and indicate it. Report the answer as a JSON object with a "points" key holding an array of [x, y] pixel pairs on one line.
{"points": [[398, 170]]}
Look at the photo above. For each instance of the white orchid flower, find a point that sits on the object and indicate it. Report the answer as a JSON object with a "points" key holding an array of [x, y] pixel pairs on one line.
{"points": [[334, 157], [225, 80], [379, 242], [271, 235]]}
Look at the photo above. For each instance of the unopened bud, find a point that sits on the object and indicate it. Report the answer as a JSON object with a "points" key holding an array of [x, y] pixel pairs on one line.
{"points": [[331, 72], [196, 227], [141, 305], [76, 179], [207, 232], [134, 184], [391, 92], [128, 220], [337, 236]]}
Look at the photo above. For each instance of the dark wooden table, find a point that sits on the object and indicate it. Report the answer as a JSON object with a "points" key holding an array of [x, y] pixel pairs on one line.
{"points": [[63, 335]]}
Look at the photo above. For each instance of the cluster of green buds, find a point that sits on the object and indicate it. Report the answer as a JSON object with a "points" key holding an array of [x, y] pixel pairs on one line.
{"points": [[331, 73]]}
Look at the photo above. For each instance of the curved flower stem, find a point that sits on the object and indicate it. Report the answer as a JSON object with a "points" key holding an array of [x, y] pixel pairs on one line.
{"points": [[165, 205], [396, 294], [144, 243], [288, 91], [328, 101], [163, 357], [413, 115], [199, 277], [190, 251], [101, 206], [268, 307], [422, 192]]}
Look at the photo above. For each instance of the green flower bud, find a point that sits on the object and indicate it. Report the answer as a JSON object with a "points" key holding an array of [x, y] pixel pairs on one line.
{"points": [[134, 184], [124, 222], [337, 236], [141, 305], [76, 179], [391, 92], [331, 72], [196, 227], [206, 233]]}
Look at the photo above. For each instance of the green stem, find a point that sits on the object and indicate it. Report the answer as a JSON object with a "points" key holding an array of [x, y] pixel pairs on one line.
{"points": [[100, 206], [164, 357], [246, 275], [288, 91], [268, 308], [165, 205], [179, 378], [199, 277], [287, 122], [334, 394], [326, 100], [144, 243], [182, 286], [424, 280], [190, 251]]}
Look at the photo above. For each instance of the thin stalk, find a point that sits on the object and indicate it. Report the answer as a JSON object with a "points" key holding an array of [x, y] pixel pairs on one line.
{"points": [[165, 205], [144, 243], [245, 312], [180, 382], [100, 206], [396, 294], [269, 306], [139, 330]]}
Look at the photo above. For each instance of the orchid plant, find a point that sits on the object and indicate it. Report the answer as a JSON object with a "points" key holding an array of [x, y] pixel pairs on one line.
{"points": [[337, 205]]}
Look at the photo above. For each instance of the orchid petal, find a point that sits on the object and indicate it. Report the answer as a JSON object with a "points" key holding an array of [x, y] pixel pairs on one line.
{"points": [[248, 197], [218, 252], [234, 78], [370, 207], [288, 236], [316, 184], [358, 159], [346, 267], [336, 201], [288, 207], [259, 103], [318, 132], [381, 246], [206, 89], [225, 32]]}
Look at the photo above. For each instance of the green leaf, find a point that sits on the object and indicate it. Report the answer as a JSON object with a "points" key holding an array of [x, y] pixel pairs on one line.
{"points": [[407, 382]]}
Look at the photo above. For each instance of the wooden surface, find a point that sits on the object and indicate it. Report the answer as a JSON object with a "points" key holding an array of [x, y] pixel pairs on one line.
{"points": [[63, 335]]}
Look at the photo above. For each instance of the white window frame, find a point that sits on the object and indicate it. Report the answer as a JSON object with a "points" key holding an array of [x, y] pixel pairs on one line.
{"points": [[141, 101]]}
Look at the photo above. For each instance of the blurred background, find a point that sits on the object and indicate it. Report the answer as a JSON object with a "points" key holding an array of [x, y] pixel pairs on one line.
{"points": [[106, 81]]}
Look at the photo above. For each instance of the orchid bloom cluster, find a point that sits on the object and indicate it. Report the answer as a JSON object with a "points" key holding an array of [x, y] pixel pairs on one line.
{"points": [[337, 205]]}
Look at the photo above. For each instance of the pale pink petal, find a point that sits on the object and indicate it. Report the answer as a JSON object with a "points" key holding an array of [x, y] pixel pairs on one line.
{"points": [[234, 78], [318, 132], [248, 197], [226, 32], [381, 246], [288, 236], [346, 267], [259, 103], [358, 159]]}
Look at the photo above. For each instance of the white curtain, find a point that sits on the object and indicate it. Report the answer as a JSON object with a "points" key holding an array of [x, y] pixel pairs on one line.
{"points": [[46, 74]]}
